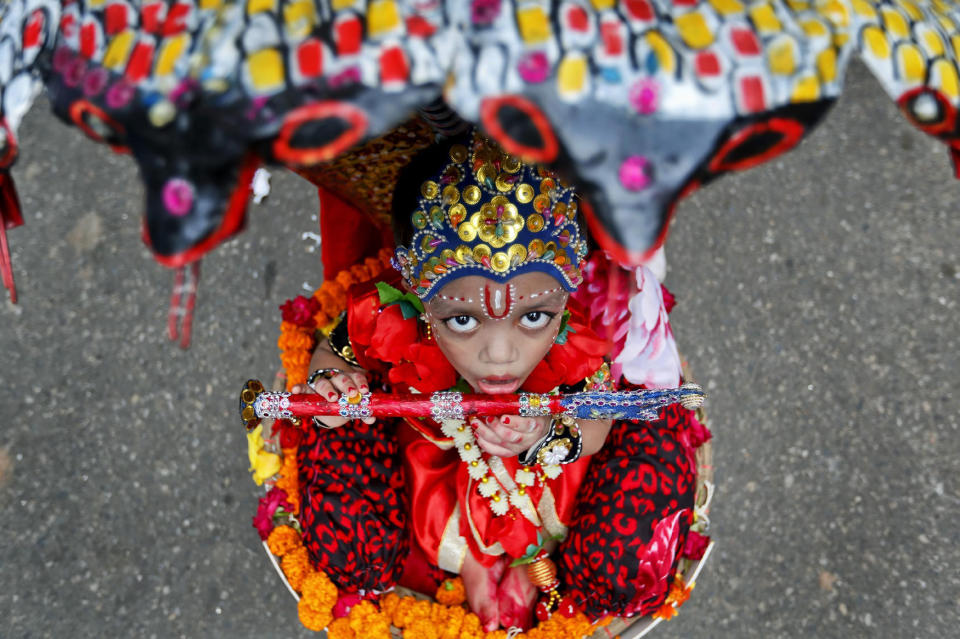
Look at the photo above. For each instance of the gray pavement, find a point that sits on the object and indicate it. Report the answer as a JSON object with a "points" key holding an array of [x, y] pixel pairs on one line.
{"points": [[817, 302]]}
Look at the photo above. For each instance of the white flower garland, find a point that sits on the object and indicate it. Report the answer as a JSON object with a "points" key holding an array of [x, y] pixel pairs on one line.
{"points": [[479, 470]]}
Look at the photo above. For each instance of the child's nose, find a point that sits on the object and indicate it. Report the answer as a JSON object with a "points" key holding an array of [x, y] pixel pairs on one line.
{"points": [[501, 350]]}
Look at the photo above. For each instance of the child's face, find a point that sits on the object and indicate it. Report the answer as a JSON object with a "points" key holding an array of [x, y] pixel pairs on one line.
{"points": [[493, 333]]}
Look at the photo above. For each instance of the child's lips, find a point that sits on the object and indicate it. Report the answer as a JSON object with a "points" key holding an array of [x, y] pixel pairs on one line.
{"points": [[498, 385]]}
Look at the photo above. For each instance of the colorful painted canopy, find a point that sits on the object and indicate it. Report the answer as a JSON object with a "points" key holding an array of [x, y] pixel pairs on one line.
{"points": [[636, 101]]}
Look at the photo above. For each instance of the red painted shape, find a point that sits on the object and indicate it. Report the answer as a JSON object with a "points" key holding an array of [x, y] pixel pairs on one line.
{"points": [[507, 304], [176, 21], [152, 15], [612, 40], [355, 119], [745, 41], [751, 92], [790, 131], [33, 29], [707, 64], [349, 36], [115, 18], [944, 126], [685, 3], [577, 19], [640, 9], [310, 58], [420, 27], [393, 65], [489, 109], [68, 25], [88, 40], [82, 109], [141, 60]]}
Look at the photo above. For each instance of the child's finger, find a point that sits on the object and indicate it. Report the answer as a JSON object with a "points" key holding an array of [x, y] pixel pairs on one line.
{"points": [[345, 384], [325, 389], [494, 449], [360, 379]]}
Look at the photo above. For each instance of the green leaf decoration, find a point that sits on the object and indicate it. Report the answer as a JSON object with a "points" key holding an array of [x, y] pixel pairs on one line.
{"points": [[564, 329], [410, 304]]}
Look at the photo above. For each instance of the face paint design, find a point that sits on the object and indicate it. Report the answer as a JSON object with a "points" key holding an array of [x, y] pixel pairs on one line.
{"points": [[497, 305]]}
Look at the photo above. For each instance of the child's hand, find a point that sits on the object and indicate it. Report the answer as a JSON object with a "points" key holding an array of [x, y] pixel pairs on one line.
{"points": [[349, 382], [509, 435]]}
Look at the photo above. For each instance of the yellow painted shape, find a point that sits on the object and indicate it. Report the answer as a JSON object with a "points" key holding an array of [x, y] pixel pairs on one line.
{"points": [[383, 16], [533, 24], [840, 39], [876, 41], [912, 9], [118, 51], [95, 4], [260, 6], [946, 23], [727, 7], [300, 18], [572, 75], [913, 66], [933, 43], [339, 5], [694, 30], [827, 65], [955, 43], [836, 12], [814, 28], [798, 5], [663, 51], [945, 77], [895, 23], [781, 56], [266, 69], [210, 4], [864, 9], [170, 52], [942, 9], [603, 5], [807, 89], [765, 18]]}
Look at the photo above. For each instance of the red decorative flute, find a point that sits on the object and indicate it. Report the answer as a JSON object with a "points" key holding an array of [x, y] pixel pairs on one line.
{"points": [[256, 404]]}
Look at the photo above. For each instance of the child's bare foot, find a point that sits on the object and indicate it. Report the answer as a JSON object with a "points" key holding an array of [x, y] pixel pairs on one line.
{"points": [[516, 597], [481, 584]]}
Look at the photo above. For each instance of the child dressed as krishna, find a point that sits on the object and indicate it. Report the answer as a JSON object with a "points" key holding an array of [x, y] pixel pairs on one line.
{"points": [[490, 255]]}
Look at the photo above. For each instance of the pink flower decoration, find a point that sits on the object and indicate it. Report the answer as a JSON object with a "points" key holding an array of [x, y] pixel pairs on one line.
{"points": [[300, 311], [534, 67], [120, 94], [484, 12], [695, 545], [345, 603], [633, 173], [178, 196], [345, 77], [263, 520], [644, 96]]}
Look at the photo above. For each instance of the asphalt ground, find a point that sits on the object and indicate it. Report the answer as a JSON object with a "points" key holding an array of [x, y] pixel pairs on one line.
{"points": [[817, 301]]}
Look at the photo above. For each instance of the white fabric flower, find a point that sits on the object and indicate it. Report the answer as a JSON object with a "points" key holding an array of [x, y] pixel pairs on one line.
{"points": [[649, 354]]}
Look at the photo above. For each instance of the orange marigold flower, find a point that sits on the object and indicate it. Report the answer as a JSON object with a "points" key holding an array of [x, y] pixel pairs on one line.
{"points": [[296, 566], [421, 628], [403, 613], [283, 539], [388, 603], [340, 629], [496, 634], [665, 612], [471, 626], [451, 592], [318, 588], [344, 279], [451, 628], [313, 619], [374, 266]]}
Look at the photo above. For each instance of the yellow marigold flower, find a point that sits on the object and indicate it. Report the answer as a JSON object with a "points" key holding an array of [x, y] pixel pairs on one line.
{"points": [[451, 592], [313, 619], [340, 629], [403, 613], [318, 588], [471, 626], [283, 539], [296, 566], [263, 464], [451, 628], [388, 603]]}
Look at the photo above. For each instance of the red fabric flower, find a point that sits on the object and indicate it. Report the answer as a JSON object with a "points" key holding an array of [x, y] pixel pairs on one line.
{"points": [[425, 368], [698, 433], [669, 301], [290, 434], [391, 335], [300, 311], [263, 520], [572, 362], [695, 545]]}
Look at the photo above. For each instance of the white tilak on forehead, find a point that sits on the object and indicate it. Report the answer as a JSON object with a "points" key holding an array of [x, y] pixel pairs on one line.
{"points": [[541, 293], [497, 306]]}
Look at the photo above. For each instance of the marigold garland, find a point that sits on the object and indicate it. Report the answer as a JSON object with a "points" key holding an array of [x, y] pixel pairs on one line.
{"points": [[282, 540], [313, 618], [340, 629], [296, 566], [451, 592], [288, 480]]}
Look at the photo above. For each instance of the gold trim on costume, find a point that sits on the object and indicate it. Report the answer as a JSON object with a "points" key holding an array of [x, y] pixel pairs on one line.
{"points": [[548, 512], [496, 549], [453, 545]]}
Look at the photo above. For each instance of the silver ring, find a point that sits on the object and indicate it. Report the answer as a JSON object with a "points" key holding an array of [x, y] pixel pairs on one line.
{"points": [[326, 373]]}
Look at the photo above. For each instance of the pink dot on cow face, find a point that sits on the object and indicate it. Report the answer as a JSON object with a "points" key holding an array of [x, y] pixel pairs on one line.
{"points": [[178, 196], [633, 173], [534, 67], [644, 96]]}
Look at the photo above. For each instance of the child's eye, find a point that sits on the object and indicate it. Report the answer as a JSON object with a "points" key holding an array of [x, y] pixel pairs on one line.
{"points": [[461, 323], [536, 319]]}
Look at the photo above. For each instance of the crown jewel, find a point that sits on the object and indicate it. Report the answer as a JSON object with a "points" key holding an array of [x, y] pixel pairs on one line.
{"points": [[487, 213]]}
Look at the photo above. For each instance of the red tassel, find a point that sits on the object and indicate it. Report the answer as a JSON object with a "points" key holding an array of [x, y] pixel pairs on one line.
{"points": [[182, 302], [10, 217]]}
